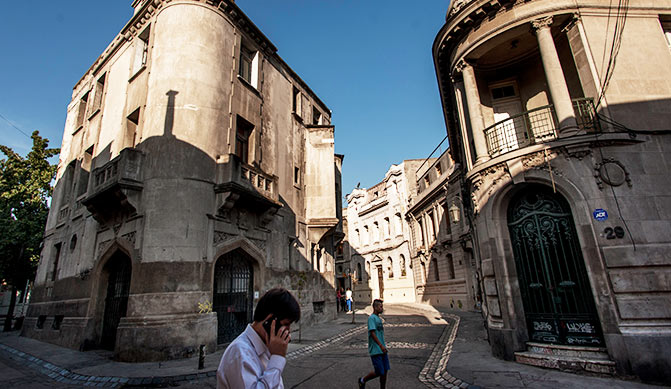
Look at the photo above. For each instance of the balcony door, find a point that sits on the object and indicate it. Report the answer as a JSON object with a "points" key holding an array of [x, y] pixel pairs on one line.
{"points": [[510, 132]]}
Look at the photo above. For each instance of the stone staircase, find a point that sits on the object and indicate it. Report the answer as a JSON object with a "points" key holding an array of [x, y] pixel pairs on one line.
{"points": [[575, 359]]}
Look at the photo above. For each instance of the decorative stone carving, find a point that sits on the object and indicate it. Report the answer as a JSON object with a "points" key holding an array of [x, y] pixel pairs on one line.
{"points": [[130, 237], [611, 172], [457, 5], [485, 183], [267, 216], [577, 153], [102, 246], [260, 243], [540, 161], [545, 22], [220, 236]]}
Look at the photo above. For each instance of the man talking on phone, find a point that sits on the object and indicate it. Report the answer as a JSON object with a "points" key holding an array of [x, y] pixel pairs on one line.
{"points": [[256, 358]]}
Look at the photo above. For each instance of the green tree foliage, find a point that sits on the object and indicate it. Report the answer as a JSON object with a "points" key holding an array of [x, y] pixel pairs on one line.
{"points": [[25, 187]]}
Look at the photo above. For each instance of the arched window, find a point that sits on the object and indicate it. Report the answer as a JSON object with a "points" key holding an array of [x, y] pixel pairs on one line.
{"points": [[376, 232], [365, 236], [359, 277], [402, 265], [390, 268], [387, 228]]}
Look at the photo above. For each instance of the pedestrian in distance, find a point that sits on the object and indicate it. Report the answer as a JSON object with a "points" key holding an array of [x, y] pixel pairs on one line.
{"points": [[348, 297], [339, 298], [343, 303], [256, 358], [376, 348]]}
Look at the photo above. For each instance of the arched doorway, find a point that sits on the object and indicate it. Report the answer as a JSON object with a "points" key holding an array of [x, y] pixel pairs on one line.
{"points": [[233, 294], [118, 270], [556, 294]]}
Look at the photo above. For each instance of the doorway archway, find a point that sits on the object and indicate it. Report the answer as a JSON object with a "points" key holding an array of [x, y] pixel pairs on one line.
{"points": [[118, 269], [555, 289], [233, 294]]}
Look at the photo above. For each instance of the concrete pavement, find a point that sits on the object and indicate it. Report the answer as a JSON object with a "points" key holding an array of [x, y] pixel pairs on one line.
{"points": [[427, 349]]}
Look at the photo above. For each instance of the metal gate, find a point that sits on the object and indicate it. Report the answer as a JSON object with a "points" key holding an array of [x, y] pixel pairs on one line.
{"points": [[553, 280], [116, 301], [233, 294]]}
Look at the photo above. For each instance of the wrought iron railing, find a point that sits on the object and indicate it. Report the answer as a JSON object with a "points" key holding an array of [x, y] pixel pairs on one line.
{"points": [[585, 115], [536, 126]]}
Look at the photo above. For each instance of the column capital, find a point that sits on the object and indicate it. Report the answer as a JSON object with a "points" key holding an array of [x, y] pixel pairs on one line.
{"points": [[462, 64], [541, 23]]}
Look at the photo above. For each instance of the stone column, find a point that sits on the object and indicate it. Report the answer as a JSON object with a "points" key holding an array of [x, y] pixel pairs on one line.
{"points": [[474, 111], [465, 138], [555, 77]]}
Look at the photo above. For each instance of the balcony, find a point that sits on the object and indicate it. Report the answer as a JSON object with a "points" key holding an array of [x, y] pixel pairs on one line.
{"points": [[116, 186], [535, 126], [243, 185]]}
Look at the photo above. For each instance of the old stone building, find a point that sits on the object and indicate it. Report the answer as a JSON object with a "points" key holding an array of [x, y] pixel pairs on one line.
{"points": [[197, 169], [559, 113], [379, 238], [441, 245]]}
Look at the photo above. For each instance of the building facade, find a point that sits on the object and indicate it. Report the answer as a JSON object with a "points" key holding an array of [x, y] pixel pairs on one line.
{"points": [[441, 246], [379, 239], [559, 113], [197, 171]]}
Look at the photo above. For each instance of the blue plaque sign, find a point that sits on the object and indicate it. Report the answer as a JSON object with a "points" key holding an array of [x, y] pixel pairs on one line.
{"points": [[600, 214]]}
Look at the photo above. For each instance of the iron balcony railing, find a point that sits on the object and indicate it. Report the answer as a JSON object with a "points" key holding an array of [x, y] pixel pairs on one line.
{"points": [[537, 125]]}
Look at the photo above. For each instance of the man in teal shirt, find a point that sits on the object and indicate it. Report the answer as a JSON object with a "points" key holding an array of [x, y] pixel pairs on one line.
{"points": [[376, 347]]}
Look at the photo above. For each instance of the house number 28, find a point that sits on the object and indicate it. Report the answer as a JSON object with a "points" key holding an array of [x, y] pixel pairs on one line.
{"points": [[614, 233]]}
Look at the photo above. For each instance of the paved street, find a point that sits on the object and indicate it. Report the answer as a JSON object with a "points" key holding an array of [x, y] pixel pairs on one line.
{"points": [[425, 351], [410, 338]]}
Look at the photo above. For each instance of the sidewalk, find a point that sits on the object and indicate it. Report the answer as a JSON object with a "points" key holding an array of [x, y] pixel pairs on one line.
{"points": [[470, 360], [96, 368]]}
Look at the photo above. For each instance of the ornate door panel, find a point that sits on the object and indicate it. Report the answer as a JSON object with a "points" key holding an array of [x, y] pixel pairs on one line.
{"points": [[233, 295], [553, 281], [116, 300]]}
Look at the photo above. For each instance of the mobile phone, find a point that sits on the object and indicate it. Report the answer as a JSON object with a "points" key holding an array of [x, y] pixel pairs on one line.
{"points": [[267, 323]]}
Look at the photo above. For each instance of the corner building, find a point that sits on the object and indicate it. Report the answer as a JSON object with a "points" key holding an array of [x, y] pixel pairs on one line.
{"points": [[196, 168], [558, 111]]}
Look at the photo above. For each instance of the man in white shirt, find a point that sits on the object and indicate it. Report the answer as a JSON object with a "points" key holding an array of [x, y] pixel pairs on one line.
{"points": [[348, 298], [256, 358]]}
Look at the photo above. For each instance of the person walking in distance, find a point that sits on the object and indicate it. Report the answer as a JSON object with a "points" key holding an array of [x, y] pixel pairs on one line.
{"points": [[339, 298], [256, 358], [376, 348], [348, 297]]}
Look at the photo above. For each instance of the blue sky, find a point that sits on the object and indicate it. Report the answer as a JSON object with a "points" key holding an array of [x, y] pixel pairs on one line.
{"points": [[369, 61]]}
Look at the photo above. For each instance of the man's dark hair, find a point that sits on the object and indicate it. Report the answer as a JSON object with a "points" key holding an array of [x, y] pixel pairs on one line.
{"points": [[281, 303], [377, 302]]}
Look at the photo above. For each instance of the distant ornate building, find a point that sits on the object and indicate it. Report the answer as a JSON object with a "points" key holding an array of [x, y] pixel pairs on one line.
{"points": [[197, 170], [379, 239], [441, 249], [559, 111]]}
